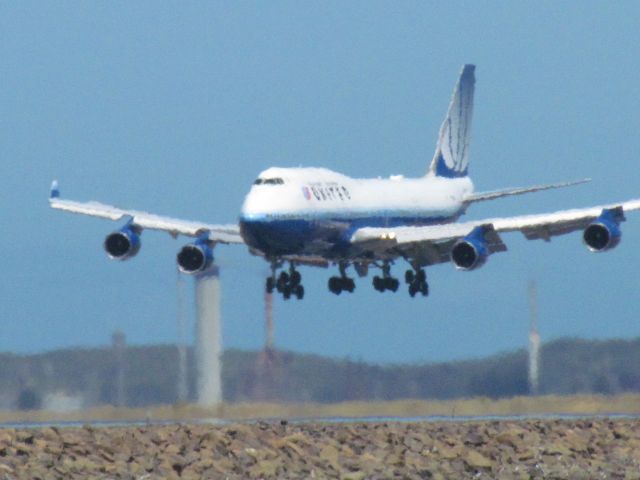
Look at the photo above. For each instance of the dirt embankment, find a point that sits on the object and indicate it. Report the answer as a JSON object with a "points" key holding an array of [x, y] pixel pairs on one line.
{"points": [[587, 448]]}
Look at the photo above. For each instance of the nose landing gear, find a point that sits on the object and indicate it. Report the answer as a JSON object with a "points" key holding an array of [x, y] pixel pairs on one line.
{"points": [[286, 283]]}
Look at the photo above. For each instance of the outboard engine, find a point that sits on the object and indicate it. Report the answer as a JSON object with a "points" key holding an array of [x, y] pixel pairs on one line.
{"points": [[604, 232], [123, 244], [471, 251], [195, 257]]}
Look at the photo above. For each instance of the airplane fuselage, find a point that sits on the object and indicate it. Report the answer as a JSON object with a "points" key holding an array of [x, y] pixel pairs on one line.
{"points": [[314, 211]]}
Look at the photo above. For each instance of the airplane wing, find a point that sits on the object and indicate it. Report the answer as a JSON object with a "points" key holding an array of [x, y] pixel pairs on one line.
{"points": [[482, 196], [432, 244], [216, 233]]}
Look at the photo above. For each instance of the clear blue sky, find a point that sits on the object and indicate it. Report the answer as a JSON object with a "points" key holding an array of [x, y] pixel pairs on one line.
{"points": [[174, 107]]}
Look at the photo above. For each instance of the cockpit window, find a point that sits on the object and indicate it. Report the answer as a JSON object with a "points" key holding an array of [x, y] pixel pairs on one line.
{"points": [[269, 181]]}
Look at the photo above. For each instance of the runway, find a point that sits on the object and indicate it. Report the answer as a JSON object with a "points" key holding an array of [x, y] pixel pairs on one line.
{"points": [[316, 420]]}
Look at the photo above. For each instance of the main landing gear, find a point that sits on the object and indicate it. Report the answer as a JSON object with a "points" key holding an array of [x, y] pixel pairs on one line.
{"points": [[417, 281], [342, 283], [386, 282], [286, 283]]}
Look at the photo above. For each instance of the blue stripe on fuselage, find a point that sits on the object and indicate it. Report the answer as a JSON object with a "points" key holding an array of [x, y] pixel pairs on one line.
{"points": [[290, 236]]}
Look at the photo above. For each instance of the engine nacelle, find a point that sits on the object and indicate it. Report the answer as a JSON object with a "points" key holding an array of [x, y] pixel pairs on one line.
{"points": [[471, 251], [604, 232], [195, 257], [123, 244]]}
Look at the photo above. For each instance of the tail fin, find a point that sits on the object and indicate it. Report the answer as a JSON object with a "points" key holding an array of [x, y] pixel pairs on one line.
{"points": [[451, 159]]}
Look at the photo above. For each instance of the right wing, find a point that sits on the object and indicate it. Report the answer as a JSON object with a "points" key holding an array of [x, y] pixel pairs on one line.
{"points": [[144, 220], [432, 244]]}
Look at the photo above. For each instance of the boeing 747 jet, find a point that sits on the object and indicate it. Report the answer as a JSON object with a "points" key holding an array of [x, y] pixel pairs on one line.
{"points": [[314, 216]]}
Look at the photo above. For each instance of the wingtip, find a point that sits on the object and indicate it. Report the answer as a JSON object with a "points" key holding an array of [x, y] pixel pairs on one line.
{"points": [[581, 181], [54, 192]]}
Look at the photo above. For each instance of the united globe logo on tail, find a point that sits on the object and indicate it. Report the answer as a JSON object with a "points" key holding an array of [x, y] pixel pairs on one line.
{"points": [[451, 159]]}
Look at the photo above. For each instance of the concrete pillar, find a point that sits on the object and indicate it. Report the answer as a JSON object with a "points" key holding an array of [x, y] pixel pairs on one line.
{"points": [[208, 339], [182, 393], [534, 341], [119, 344]]}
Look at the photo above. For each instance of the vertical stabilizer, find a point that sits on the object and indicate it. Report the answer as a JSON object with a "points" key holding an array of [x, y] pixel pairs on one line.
{"points": [[451, 159]]}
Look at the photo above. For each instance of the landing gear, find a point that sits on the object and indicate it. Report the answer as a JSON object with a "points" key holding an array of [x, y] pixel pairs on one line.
{"points": [[386, 282], [338, 285], [342, 283], [286, 283], [417, 281]]}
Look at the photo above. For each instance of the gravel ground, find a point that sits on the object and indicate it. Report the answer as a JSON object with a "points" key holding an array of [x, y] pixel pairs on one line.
{"points": [[545, 449]]}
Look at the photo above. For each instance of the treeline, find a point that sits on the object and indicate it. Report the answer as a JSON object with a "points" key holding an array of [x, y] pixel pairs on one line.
{"points": [[150, 375]]}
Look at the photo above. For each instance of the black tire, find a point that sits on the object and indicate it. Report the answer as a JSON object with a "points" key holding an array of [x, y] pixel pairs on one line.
{"points": [[299, 292], [378, 283], [391, 283], [413, 289], [286, 293], [270, 285], [295, 278], [283, 282], [349, 285], [422, 276], [408, 276], [424, 289], [334, 285]]}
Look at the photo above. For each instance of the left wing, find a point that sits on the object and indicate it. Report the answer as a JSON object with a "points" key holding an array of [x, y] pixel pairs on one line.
{"points": [[144, 220], [508, 192], [432, 244]]}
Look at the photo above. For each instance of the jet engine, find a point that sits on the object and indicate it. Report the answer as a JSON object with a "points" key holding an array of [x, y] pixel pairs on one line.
{"points": [[471, 251], [604, 232], [123, 244], [195, 257]]}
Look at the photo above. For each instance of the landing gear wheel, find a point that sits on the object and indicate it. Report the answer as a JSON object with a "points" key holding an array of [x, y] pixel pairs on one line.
{"points": [[391, 283], [378, 283], [417, 280], [409, 276], [270, 284], [298, 291], [295, 278], [283, 282], [349, 285], [335, 286]]}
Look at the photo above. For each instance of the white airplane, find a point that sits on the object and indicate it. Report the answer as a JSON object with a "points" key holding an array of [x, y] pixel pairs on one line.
{"points": [[314, 216]]}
